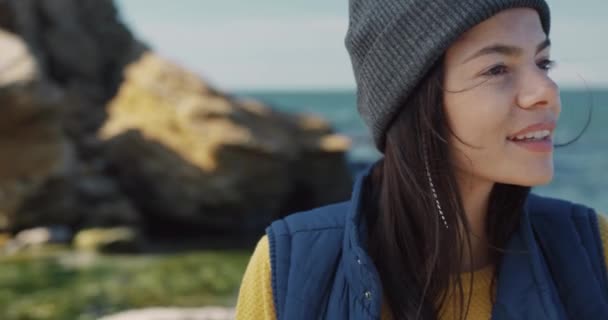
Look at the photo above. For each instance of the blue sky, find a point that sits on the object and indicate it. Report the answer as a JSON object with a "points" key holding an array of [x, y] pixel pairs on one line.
{"points": [[298, 44]]}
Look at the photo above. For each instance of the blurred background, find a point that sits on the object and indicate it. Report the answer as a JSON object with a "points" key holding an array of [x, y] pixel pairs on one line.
{"points": [[145, 144]]}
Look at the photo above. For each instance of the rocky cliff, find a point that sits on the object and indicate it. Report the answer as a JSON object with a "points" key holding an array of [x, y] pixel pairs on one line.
{"points": [[97, 130]]}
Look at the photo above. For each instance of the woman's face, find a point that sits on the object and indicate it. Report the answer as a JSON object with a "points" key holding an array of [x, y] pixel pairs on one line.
{"points": [[496, 84]]}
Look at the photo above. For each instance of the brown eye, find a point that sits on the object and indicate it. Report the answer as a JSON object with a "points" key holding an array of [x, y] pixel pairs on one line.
{"points": [[496, 71], [546, 64]]}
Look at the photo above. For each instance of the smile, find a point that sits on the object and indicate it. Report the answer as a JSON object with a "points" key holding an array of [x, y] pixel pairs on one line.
{"points": [[543, 144], [535, 135]]}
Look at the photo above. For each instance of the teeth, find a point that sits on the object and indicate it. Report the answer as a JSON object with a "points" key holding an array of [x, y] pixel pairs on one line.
{"points": [[533, 135]]}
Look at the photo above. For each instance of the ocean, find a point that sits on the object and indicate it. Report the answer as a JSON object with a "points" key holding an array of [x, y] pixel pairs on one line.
{"points": [[581, 168]]}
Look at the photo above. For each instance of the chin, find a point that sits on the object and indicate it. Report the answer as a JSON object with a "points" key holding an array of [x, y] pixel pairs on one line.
{"points": [[528, 178], [534, 174], [535, 181]]}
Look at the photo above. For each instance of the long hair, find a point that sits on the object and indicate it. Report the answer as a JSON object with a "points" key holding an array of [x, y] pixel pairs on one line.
{"points": [[417, 257]]}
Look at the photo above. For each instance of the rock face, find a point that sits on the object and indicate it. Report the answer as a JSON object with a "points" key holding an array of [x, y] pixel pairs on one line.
{"points": [[190, 154], [33, 146], [43, 179], [99, 131]]}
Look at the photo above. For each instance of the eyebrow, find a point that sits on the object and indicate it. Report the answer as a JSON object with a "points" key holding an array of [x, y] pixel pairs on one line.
{"points": [[507, 50]]}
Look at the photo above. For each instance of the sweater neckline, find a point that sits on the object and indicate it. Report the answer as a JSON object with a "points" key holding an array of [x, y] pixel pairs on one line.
{"points": [[482, 279]]}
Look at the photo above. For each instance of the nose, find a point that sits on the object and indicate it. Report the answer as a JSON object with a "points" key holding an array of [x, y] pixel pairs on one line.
{"points": [[538, 90]]}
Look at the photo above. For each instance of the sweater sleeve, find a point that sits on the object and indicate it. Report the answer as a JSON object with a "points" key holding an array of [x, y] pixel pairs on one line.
{"points": [[603, 226], [255, 295]]}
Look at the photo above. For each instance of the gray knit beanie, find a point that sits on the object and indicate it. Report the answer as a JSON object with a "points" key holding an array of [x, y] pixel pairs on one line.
{"points": [[394, 43]]}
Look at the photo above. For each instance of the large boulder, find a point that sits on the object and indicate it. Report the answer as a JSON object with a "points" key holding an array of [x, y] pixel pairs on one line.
{"points": [[189, 154]]}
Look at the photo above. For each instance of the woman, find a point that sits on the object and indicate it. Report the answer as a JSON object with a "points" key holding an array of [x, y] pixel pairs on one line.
{"points": [[458, 98]]}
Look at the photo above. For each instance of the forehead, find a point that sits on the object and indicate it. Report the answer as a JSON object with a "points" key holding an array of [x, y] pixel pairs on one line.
{"points": [[517, 26]]}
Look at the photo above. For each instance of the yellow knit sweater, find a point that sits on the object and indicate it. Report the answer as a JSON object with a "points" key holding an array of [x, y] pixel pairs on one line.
{"points": [[255, 296]]}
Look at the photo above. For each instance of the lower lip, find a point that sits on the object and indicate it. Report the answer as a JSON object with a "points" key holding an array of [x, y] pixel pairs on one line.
{"points": [[545, 145]]}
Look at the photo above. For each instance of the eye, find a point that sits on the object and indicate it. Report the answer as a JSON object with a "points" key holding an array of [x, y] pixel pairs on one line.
{"points": [[496, 71], [546, 64]]}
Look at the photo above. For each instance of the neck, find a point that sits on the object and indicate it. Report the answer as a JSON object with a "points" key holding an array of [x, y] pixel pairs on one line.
{"points": [[475, 195]]}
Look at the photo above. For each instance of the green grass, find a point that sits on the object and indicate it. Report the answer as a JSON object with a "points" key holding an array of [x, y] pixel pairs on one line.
{"points": [[62, 285]]}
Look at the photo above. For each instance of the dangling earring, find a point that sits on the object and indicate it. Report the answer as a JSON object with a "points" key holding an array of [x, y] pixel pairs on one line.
{"points": [[428, 175]]}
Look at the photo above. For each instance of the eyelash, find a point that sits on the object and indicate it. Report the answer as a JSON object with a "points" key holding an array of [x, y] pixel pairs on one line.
{"points": [[549, 64]]}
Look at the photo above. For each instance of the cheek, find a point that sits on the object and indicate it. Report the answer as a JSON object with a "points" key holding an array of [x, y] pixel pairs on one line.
{"points": [[478, 120], [480, 126]]}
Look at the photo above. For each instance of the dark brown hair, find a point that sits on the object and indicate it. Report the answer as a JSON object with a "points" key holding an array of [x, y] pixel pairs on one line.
{"points": [[417, 258]]}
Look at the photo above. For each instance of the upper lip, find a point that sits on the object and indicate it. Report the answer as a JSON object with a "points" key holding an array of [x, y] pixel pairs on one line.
{"points": [[547, 125]]}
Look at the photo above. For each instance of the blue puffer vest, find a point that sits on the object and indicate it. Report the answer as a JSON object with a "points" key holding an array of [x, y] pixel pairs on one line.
{"points": [[320, 269]]}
